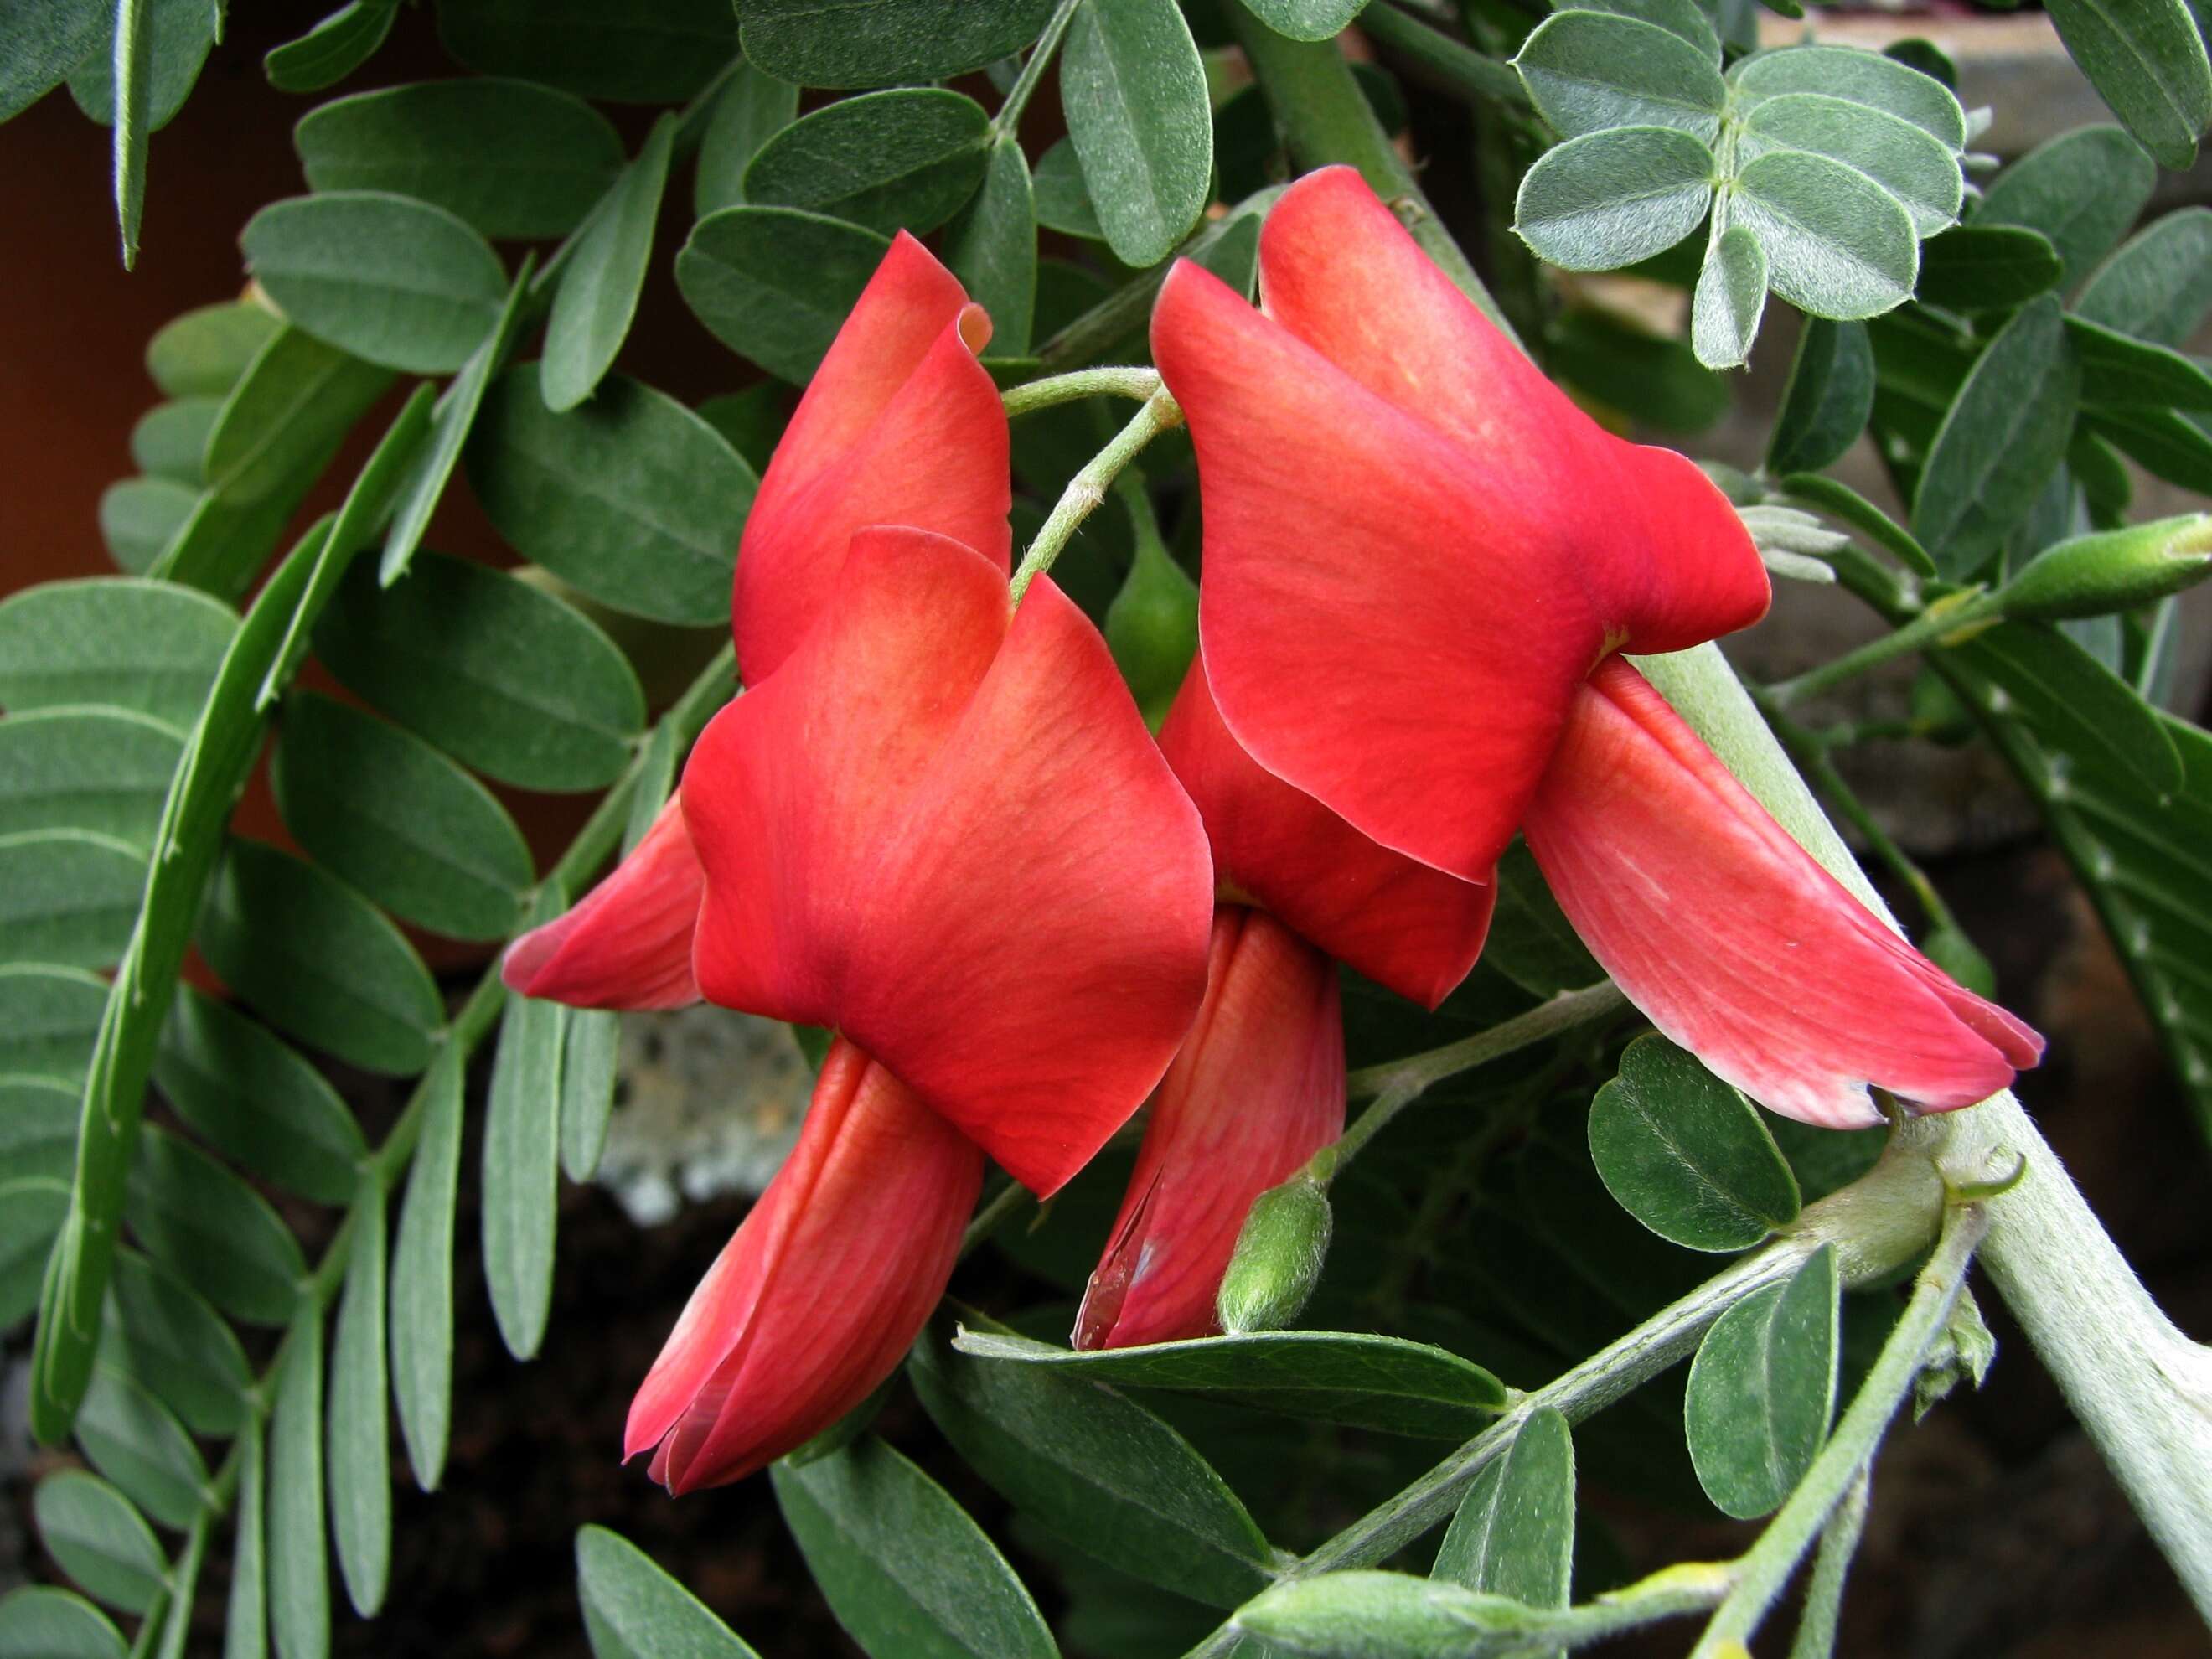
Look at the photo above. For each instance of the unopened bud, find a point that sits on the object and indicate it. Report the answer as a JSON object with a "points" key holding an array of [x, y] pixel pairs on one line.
{"points": [[1278, 1257], [1151, 628], [2113, 570]]}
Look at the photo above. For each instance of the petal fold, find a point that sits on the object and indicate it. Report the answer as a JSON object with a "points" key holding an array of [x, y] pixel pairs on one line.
{"points": [[627, 944], [822, 1290], [1413, 928], [1734, 941], [900, 425], [950, 837], [1255, 1091]]}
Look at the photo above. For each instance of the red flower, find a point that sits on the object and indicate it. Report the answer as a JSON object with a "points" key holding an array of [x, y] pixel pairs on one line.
{"points": [[1258, 1085], [936, 826], [1418, 552]]}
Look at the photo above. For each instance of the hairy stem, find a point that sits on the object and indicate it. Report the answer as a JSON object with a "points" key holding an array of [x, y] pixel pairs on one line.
{"points": [[1932, 625], [1450, 63], [1137, 383], [1418, 1072], [1087, 489], [1018, 97]]}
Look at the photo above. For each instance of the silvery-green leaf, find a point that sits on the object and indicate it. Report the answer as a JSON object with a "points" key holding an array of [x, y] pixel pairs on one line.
{"points": [[1838, 244], [1900, 156], [1608, 199], [1866, 78], [1134, 88], [1588, 71], [1306, 20], [1731, 292], [1684, 17]]}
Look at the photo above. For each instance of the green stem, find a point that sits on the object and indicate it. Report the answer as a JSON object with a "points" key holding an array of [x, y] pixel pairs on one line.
{"points": [[1132, 382], [1937, 621], [1009, 1201], [1018, 95], [1326, 117], [1824, 1593], [1765, 1569], [1087, 489], [1451, 62], [1418, 1072]]}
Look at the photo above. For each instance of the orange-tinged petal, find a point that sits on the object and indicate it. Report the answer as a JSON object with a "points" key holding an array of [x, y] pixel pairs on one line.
{"points": [[1256, 1090], [1735, 943], [627, 944], [824, 1288]]}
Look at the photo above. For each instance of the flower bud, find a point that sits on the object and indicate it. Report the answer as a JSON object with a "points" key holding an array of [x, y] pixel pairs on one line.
{"points": [[1151, 627], [1278, 1257], [2113, 570]]}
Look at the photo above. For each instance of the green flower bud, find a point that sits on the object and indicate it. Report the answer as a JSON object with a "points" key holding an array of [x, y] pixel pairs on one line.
{"points": [[2113, 570], [1278, 1257], [1151, 627]]}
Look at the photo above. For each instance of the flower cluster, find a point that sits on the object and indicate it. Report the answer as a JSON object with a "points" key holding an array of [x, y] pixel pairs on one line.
{"points": [[936, 823]]}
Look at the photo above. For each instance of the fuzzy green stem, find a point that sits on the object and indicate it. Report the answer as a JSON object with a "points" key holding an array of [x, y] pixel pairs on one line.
{"points": [[1824, 1594], [1018, 97], [1132, 382], [1765, 1569], [1416, 1072], [1932, 625], [1087, 489], [1452, 64]]}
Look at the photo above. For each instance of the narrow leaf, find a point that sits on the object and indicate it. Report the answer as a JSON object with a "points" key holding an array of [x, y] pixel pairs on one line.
{"points": [[359, 1451], [597, 295], [2146, 61], [522, 1170], [587, 1088], [1731, 295], [992, 249], [1828, 399], [333, 49], [245, 1615], [99, 1538], [633, 1610], [2082, 190], [752, 109], [299, 1573], [422, 1277]]}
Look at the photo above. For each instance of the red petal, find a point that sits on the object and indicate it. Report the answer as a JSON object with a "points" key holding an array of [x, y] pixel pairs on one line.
{"points": [[1414, 929], [900, 425], [953, 840], [1734, 941], [628, 943], [1255, 1091], [1381, 629], [822, 1290], [1669, 564]]}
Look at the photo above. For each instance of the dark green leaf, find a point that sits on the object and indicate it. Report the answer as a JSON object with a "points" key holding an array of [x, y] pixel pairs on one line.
{"points": [[2002, 437], [392, 280], [1761, 1390], [333, 49], [903, 1568], [1829, 398], [1098, 1469], [633, 499], [874, 43], [1841, 503], [2158, 286], [38, 1619], [192, 1214], [422, 1277], [170, 438], [319, 961], [507, 157], [2120, 371], [891, 160], [597, 295], [1608, 199], [2172, 446], [1838, 244], [47, 1019], [1917, 168], [498, 673], [449, 429], [1379, 1382], [992, 249], [1513, 1533], [69, 896], [99, 1538], [32, 1207], [648, 52], [181, 32], [2071, 701], [1361, 1614], [633, 1610], [1063, 199], [1134, 92], [752, 109], [1985, 267], [133, 60], [774, 284], [37, 1128], [1916, 51], [299, 1568], [2082, 190], [587, 1088], [162, 1333], [1864, 78], [393, 816], [522, 1170], [203, 353], [1731, 293], [145, 645], [1686, 1154], [1306, 20], [40, 44], [2146, 61], [1531, 941], [139, 517], [751, 421], [256, 1101], [1589, 71], [359, 1448], [136, 1441]]}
